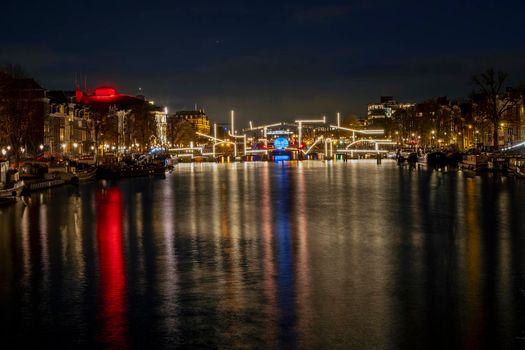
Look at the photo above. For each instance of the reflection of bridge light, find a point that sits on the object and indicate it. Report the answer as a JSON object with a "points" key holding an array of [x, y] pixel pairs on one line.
{"points": [[281, 157]]}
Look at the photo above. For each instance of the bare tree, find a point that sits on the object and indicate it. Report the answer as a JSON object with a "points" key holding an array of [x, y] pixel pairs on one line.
{"points": [[143, 124], [22, 109], [404, 121], [180, 131], [98, 118], [491, 98]]}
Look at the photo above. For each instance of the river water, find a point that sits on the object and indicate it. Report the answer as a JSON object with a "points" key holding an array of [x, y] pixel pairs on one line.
{"points": [[268, 255]]}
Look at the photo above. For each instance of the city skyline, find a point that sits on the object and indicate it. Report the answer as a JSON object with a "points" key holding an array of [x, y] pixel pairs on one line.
{"points": [[269, 61]]}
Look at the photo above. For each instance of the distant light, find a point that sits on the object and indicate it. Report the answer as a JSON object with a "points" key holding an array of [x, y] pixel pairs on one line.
{"points": [[280, 143], [281, 158], [105, 91]]}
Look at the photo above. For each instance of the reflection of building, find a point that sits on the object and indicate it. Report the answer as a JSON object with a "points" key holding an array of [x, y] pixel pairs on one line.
{"points": [[198, 119]]}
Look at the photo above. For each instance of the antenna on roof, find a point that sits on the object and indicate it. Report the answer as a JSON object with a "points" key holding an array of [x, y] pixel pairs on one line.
{"points": [[195, 106]]}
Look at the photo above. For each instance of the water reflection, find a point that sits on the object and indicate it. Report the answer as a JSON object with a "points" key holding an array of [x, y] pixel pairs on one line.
{"points": [[287, 255], [282, 208], [112, 305]]}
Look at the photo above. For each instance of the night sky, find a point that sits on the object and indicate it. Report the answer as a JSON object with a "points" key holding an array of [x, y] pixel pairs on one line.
{"points": [[268, 60]]}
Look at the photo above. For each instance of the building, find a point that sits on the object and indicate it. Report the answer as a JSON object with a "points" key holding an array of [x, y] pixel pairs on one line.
{"points": [[161, 114], [197, 118], [66, 128], [380, 114], [512, 126], [123, 122]]}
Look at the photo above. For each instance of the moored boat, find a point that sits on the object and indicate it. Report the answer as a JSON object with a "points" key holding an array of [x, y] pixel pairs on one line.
{"points": [[10, 184], [520, 171], [498, 164], [86, 175], [515, 163], [436, 158], [475, 162], [12, 189]]}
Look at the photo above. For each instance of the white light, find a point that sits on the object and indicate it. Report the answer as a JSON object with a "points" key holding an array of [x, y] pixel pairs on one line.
{"points": [[3, 152], [41, 147], [75, 145]]}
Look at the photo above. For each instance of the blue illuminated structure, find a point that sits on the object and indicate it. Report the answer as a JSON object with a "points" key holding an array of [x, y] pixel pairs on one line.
{"points": [[281, 157], [280, 143]]}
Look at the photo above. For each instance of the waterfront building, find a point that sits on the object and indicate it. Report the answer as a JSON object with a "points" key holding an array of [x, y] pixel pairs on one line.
{"points": [[161, 114], [197, 118], [512, 125], [66, 129], [123, 123], [379, 115]]}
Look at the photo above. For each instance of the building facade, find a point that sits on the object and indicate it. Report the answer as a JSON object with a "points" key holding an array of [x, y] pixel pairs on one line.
{"points": [[379, 115], [197, 118], [66, 127]]}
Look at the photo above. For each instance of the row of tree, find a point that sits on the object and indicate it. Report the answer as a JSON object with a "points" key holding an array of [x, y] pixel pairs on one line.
{"points": [[22, 107], [489, 105]]}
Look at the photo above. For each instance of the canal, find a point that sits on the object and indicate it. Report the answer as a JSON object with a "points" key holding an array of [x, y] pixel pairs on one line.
{"points": [[268, 255]]}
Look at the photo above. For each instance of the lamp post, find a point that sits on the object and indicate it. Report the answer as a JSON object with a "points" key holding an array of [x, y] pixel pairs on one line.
{"points": [[300, 127], [503, 133]]}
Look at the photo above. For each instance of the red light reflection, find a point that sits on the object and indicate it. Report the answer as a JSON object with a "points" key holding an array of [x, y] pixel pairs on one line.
{"points": [[112, 308]]}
